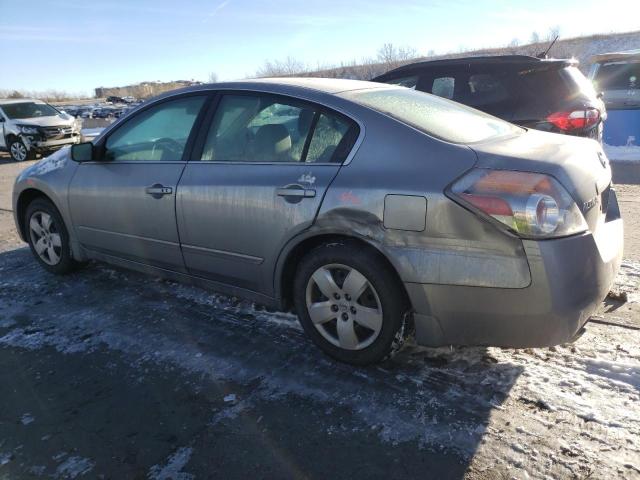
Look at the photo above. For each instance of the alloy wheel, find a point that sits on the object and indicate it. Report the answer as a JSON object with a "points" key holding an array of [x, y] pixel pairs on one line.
{"points": [[19, 151], [45, 237], [344, 306]]}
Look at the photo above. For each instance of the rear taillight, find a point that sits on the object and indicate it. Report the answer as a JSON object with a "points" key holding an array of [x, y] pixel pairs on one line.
{"points": [[531, 205], [575, 120]]}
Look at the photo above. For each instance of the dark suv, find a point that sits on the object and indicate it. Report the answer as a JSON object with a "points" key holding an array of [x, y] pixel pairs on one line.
{"points": [[545, 94]]}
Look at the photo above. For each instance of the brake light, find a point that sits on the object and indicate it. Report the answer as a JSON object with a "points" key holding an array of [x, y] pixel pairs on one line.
{"points": [[577, 119], [531, 205]]}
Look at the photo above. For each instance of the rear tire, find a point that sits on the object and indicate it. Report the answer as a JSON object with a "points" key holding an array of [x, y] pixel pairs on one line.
{"points": [[361, 330], [48, 237]]}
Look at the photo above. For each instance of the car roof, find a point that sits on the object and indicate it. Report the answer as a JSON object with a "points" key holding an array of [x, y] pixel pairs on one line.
{"points": [[8, 101], [323, 85], [525, 61]]}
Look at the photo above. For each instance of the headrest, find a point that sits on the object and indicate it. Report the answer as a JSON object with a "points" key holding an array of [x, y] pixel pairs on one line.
{"points": [[272, 141]]}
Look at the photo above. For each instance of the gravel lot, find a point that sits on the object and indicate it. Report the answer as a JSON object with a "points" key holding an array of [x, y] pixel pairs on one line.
{"points": [[110, 374]]}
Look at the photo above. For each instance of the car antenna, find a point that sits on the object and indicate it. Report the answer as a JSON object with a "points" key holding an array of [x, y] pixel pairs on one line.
{"points": [[544, 54]]}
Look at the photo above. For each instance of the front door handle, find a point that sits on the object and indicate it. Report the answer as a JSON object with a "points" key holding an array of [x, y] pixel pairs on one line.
{"points": [[297, 192], [157, 190]]}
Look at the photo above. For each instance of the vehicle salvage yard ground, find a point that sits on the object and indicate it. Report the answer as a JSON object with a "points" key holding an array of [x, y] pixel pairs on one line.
{"points": [[111, 374]]}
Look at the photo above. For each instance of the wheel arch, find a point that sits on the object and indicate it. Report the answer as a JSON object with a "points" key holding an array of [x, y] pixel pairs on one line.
{"points": [[25, 198], [294, 253]]}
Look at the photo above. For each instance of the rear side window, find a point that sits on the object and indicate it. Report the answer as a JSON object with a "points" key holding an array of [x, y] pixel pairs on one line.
{"points": [[486, 89], [408, 82], [270, 129], [433, 115], [443, 87], [618, 76]]}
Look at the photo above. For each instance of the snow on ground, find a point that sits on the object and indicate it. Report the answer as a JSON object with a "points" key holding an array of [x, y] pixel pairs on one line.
{"points": [[563, 412], [622, 153]]}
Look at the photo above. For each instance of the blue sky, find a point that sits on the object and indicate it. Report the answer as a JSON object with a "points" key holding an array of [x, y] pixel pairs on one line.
{"points": [[76, 45]]}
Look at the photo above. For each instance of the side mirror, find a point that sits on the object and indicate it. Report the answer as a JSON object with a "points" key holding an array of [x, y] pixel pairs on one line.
{"points": [[82, 152]]}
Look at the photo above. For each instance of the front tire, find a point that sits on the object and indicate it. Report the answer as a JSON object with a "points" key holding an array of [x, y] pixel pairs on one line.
{"points": [[350, 303], [48, 237], [19, 152]]}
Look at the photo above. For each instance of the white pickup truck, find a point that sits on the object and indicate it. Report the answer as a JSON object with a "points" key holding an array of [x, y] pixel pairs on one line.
{"points": [[29, 127]]}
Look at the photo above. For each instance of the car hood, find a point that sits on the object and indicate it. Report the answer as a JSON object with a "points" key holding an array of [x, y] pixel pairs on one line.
{"points": [[53, 121], [579, 164]]}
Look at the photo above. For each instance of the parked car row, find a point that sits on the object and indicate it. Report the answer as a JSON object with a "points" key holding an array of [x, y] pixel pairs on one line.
{"points": [[100, 111], [369, 209]]}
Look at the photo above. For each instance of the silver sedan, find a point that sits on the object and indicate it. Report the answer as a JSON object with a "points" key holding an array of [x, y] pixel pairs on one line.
{"points": [[373, 211]]}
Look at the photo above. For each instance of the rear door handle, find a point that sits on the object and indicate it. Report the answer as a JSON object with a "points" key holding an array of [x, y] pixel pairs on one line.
{"points": [[158, 190], [295, 191]]}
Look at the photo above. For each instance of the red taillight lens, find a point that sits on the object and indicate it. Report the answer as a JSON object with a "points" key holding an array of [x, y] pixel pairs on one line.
{"points": [[575, 120], [529, 204]]}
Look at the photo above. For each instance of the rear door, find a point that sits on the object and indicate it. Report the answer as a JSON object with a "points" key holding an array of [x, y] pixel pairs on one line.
{"points": [[124, 204], [265, 163]]}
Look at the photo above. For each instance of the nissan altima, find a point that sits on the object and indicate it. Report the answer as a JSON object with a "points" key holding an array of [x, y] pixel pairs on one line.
{"points": [[372, 211]]}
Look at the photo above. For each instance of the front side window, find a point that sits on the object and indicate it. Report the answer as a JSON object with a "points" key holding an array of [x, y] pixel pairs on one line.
{"points": [[157, 134], [270, 129], [441, 118], [18, 111]]}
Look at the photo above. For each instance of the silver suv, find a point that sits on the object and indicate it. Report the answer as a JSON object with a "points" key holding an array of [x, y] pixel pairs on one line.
{"points": [[33, 126]]}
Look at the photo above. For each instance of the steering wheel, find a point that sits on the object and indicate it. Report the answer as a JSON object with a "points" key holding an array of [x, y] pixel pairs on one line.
{"points": [[170, 145]]}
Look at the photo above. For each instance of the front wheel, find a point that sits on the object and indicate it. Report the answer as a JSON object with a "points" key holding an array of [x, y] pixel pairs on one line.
{"points": [[350, 303], [48, 237], [19, 151]]}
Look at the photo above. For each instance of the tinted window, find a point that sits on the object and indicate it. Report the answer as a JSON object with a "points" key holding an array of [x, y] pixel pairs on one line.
{"points": [[330, 131], [485, 89], [265, 128], [436, 116], [618, 76], [28, 110], [443, 87], [157, 134], [408, 82]]}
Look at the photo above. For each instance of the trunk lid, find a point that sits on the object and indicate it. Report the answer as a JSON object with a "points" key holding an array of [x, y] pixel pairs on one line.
{"points": [[579, 164]]}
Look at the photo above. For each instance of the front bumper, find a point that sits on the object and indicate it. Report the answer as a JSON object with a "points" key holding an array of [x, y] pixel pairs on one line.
{"points": [[569, 279], [38, 144]]}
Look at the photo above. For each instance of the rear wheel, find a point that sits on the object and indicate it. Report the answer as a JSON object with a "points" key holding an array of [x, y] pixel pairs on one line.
{"points": [[350, 303], [48, 237]]}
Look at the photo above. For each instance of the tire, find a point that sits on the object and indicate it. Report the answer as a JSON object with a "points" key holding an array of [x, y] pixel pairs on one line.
{"points": [[382, 327], [48, 234], [19, 152]]}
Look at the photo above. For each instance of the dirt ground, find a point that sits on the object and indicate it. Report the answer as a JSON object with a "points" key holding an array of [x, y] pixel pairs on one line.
{"points": [[114, 375]]}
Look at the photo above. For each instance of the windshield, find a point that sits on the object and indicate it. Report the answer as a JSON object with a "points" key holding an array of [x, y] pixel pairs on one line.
{"points": [[28, 110], [441, 118], [618, 76]]}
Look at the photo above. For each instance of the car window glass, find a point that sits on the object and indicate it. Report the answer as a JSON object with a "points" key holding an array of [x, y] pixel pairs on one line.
{"points": [[17, 111], [329, 132], [433, 115], [618, 76], [260, 128], [443, 87], [484, 89], [408, 82], [157, 134]]}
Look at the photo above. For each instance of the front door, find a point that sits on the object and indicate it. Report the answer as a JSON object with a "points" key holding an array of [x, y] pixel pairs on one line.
{"points": [[265, 164], [123, 205]]}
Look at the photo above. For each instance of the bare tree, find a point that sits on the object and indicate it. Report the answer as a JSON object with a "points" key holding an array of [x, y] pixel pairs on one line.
{"points": [[392, 57], [535, 37], [213, 77], [281, 68], [553, 33]]}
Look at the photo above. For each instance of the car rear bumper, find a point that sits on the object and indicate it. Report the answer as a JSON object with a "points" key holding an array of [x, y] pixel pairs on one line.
{"points": [[569, 278]]}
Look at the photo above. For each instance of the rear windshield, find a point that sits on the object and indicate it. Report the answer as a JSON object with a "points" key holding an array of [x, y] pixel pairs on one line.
{"points": [[441, 118], [618, 76], [16, 111]]}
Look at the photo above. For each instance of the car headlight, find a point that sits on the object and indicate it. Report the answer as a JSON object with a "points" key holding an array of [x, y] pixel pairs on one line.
{"points": [[28, 129], [531, 205]]}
